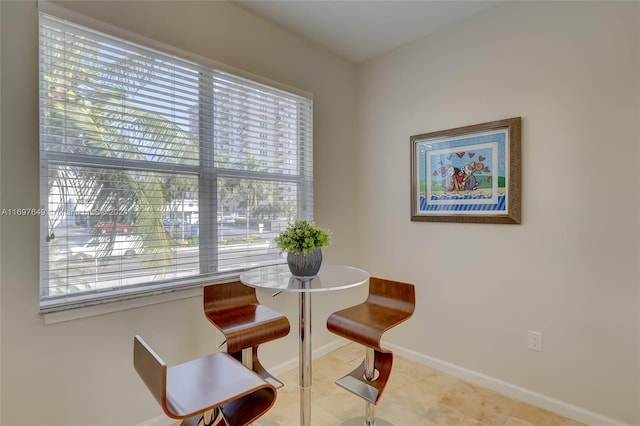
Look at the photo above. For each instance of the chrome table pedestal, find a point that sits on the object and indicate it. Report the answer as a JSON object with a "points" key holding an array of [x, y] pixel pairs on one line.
{"points": [[329, 278]]}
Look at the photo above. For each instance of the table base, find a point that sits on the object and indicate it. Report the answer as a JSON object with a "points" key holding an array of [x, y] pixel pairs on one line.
{"points": [[305, 379]]}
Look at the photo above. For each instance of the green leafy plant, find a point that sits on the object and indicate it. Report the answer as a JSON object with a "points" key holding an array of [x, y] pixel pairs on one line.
{"points": [[302, 237]]}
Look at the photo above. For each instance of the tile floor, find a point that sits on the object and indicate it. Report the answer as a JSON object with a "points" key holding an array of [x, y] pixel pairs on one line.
{"points": [[416, 395]]}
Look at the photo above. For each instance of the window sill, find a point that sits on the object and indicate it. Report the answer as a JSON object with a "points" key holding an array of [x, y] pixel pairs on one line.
{"points": [[121, 305]]}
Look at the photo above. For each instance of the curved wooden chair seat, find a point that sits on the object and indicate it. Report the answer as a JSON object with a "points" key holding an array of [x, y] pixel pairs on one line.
{"points": [[187, 391], [388, 304], [233, 308]]}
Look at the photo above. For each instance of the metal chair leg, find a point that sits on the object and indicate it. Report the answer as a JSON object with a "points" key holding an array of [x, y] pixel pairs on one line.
{"points": [[369, 374], [247, 357]]}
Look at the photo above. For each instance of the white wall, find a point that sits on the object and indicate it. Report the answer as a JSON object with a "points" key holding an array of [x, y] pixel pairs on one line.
{"points": [[570, 270], [80, 372]]}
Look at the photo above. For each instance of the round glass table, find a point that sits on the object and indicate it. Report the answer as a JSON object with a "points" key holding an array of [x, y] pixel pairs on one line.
{"points": [[329, 278]]}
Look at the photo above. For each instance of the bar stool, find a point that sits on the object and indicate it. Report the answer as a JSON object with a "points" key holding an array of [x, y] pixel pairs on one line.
{"points": [[389, 303], [212, 390], [233, 308]]}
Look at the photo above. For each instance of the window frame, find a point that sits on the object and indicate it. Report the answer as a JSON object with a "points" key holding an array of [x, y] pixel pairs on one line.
{"points": [[207, 177]]}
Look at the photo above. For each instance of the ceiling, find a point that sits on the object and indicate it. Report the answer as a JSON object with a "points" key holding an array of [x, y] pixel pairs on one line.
{"points": [[357, 30]]}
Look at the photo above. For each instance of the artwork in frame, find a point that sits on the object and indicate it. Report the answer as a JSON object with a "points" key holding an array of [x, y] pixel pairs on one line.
{"points": [[467, 174]]}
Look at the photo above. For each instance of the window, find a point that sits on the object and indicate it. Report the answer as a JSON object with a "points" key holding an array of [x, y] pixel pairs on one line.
{"points": [[158, 172]]}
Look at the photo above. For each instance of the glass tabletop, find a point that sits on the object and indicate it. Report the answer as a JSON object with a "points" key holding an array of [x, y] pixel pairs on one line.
{"points": [[330, 277]]}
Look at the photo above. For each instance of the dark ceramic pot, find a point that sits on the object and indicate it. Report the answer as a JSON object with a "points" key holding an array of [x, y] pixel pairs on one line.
{"points": [[305, 265]]}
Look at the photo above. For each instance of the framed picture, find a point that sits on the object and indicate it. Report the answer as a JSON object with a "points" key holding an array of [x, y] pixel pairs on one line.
{"points": [[467, 174]]}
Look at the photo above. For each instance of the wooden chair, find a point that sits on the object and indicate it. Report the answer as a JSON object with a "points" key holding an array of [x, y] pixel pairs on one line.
{"points": [[192, 391], [389, 303], [233, 308]]}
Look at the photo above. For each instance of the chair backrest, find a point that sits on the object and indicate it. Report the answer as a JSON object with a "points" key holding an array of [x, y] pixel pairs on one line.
{"points": [[220, 297], [392, 294], [151, 369], [194, 387]]}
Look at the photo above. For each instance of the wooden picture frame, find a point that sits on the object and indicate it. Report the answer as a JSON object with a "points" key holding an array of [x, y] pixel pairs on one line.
{"points": [[467, 174]]}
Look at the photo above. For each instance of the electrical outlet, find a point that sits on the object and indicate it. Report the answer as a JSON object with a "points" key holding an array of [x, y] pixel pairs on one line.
{"points": [[534, 341]]}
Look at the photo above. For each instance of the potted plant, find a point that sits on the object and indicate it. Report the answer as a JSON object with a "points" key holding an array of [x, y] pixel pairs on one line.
{"points": [[303, 240]]}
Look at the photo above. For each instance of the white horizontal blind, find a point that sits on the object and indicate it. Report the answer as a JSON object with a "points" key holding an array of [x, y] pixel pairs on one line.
{"points": [[158, 172]]}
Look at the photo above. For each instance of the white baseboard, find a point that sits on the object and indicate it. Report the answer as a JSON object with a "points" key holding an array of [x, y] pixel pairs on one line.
{"points": [[534, 398], [516, 392]]}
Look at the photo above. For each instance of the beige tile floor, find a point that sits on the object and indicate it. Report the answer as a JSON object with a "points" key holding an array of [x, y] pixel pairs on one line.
{"points": [[416, 395]]}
